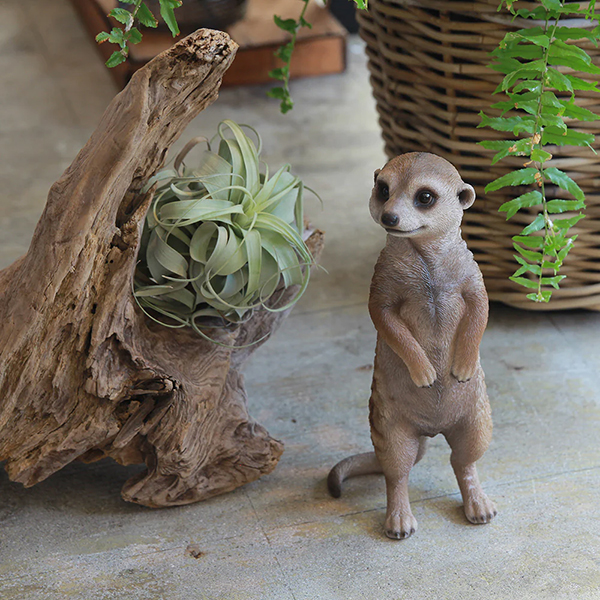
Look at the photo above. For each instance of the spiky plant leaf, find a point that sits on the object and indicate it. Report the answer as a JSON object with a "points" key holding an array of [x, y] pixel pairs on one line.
{"points": [[221, 238]]}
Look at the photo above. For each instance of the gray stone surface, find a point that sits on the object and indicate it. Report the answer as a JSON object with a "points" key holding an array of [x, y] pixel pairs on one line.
{"points": [[282, 537]]}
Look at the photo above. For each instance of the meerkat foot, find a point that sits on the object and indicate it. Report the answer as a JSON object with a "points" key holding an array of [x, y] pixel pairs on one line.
{"points": [[400, 527], [479, 509]]}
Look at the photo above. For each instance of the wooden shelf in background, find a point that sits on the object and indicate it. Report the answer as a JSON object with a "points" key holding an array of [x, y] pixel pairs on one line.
{"points": [[319, 51]]}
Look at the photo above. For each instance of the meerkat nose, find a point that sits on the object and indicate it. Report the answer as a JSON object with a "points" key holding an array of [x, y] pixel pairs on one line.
{"points": [[389, 219]]}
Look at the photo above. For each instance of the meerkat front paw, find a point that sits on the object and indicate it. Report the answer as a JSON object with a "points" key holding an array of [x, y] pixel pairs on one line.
{"points": [[400, 527], [463, 370], [424, 377]]}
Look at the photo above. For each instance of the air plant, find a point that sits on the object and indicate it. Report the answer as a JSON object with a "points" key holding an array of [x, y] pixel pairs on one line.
{"points": [[221, 239]]}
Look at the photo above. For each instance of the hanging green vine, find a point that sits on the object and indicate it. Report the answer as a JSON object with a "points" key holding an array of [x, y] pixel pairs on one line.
{"points": [[284, 53], [538, 64], [142, 15]]}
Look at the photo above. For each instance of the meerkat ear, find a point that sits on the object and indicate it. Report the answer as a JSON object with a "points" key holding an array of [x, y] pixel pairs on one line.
{"points": [[466, 196], [377, 171]]}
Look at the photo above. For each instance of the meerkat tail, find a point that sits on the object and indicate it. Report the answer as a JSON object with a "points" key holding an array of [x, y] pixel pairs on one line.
{"points": [[358, 464]]}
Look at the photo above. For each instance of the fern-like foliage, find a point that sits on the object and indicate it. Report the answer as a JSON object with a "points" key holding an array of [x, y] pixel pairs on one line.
{"points": [[129, 34], [539, 66]]}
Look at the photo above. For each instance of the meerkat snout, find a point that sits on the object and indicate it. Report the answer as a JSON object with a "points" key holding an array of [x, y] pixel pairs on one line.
{"points": [[389, 219], [419, 195]]}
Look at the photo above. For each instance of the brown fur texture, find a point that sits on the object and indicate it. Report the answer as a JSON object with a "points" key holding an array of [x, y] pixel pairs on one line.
{"points": [[430, 308]]}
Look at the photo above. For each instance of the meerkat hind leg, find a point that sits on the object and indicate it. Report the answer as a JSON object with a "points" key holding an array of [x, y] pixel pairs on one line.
{"points": [[397, 453], [468, 443]]}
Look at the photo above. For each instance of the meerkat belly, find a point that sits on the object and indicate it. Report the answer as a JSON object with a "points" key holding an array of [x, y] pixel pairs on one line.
{"points": [[433, 320], [433, 324], [430, 410]]}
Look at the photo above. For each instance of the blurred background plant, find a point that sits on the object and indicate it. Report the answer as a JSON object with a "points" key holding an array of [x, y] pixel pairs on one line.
{"points": [[139, 15]]}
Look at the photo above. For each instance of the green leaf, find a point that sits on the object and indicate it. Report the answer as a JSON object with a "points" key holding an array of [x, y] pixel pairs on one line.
{"points": [[553, 281], [289, 25], [535, 35], [568, 223], [514, 124], [581, 84], [520, 177], [529, 254], [565, 182], [145, 16], [531, 241], [543, 296], [526, 267], [557, 80], [553, 121], [103, 36], [552, 135], [571, 9], [526, 52], [541, 156], [559, 48], [551, 4], [572, 111], [277, 92], [536, 225], [528, 283], [574, 63], [532, 85], [117, 36], [529, 106], [116, 58], [525, 72], [279, 73], [524, 201], [549, 99], [539, 13], [166, 12], [575, 33], [520, 147], [561, 206], [304, 23], [134, 35], [122, 15], [285, 52]]}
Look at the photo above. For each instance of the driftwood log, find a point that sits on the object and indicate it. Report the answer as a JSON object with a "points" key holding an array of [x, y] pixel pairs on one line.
{"points": [[83, 373]]}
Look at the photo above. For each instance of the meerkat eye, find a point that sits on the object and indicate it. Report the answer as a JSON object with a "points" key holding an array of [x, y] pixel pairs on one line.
{"points": [[384, 191], [424, 199]]}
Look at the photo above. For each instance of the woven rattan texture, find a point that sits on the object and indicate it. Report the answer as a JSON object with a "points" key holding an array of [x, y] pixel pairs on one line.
{"points": [[428, 64]]}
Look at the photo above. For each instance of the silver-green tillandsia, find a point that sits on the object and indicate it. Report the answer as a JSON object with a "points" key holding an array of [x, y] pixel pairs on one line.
{"points": [[221, 238]]}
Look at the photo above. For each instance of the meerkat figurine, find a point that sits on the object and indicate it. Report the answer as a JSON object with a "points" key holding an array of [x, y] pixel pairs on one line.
{"points": [[430, 308]]}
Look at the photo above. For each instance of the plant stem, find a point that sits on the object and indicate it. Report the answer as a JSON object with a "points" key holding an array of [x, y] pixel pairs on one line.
{"points": [[138, 3], [538, 131], [286, 81]]}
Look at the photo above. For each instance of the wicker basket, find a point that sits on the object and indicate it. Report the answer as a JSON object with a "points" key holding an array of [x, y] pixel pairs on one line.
{"points": [[430, 80]]}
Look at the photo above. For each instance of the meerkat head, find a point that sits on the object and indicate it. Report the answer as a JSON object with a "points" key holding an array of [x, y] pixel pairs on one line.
{"points": [[419, 195]]}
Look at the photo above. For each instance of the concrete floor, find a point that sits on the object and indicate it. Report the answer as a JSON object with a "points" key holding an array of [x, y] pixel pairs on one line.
{"points": [[282, 537]]}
